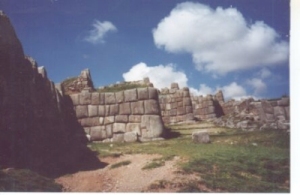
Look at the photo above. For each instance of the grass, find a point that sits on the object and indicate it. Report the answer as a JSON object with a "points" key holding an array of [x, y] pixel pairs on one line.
{"points": [[157, 162], [119, 164], [235, 161], [121, 87], [26, 181]]}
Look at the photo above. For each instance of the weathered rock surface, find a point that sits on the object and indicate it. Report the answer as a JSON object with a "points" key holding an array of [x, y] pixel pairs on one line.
{"points": [[201, 137]]}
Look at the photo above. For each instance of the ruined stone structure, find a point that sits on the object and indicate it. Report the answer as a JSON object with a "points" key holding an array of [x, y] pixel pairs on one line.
{"points": [[129, 115], [175, 104], [38, 127], [77, 84]]}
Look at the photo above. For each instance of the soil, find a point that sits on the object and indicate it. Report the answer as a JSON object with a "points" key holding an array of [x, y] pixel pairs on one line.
{"points": [[129, 178]]}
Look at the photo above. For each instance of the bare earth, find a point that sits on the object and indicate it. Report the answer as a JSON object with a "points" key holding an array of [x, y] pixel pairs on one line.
{"points": [[129, 178]]}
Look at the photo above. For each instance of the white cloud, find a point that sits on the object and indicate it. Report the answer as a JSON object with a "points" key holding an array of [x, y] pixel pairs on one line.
{"points": [[257, 84], [161, 76], [203, 90], [220, 41], [264, 73], [100, 29], [233, 90]]}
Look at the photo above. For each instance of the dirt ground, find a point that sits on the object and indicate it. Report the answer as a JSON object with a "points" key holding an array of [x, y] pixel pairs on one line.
{"points": [[129, 178]]}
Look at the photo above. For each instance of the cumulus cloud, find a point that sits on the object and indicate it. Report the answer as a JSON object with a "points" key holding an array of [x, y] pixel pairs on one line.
{"points": [[203, 90], [220, 41], [161, 76], [100, 29], [257, 84], [264, 73]]}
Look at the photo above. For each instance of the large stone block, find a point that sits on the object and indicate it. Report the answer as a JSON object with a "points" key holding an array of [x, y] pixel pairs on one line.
{"points": [[120, 96], [201, 137], [101, 110], [173, 112], [174, 105], [118, 137], [124, 108], [85, 98], [110, 98], [137, 107], [187, 101], [75, 99], [168, 106], [107, 110], [119, 127], [151, 107], [181, 111], [81, 111], [98, 133], [189, 109], [130, 95], [152, 126], [109, 130], [95, 99], [130, 137], [109, 120], [93, 110], [121, 118], [186, 94], [102, 98], [210, 110], [101, 120], [153, 94], [135, 118], [90, 122], [113, 109], [133, 127], [143, 93], [287, 112], [267, 107]]}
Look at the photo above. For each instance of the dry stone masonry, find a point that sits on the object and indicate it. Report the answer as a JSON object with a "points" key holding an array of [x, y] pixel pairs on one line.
{"points": [[176, 105], [124, 116]]}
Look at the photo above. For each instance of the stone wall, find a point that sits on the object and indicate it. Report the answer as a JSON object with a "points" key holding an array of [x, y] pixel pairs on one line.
{"points": [[38, 127], [129, 115], [176, 105]]}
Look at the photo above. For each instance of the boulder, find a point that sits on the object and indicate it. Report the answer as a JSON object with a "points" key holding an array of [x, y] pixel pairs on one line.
{"points": [[130, 137], [201, 137], [130, 95]]}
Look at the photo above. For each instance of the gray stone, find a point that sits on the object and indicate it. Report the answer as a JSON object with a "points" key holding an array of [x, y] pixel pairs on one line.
{"points": [[124, 108], [201, 137], [180, 110], [119, 127], [279, 111], [113, 109], [120, 96], [90, 122], [101, 110], [110, 98], [130, 137], [285, 101], [109, 120], [143, 93], [98, 133], [187, 101], [118, 137], [189, 109], [153, 94], [109, 131], [75, 99], [81, 111], [102, 98], [130, 95], [121, 118], [92, 110], [174, 86], [137, 107], [151, 107], [85, 98], [134, 118], [107, 111], [133, 127], [101, 120], [153, 125], [95, 99]]}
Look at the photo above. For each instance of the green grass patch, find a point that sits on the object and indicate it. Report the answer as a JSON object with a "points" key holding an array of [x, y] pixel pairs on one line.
{"points": [[121, 87], [235, 161], [120, 164], [157, 162]]}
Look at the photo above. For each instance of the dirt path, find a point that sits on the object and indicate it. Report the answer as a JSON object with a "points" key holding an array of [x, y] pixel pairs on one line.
{"points": [[129, 178]]}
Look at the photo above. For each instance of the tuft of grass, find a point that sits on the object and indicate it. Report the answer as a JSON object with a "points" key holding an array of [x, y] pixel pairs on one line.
{"points": [[66, 83], [119, 164], [158, 162], [121, 87]]}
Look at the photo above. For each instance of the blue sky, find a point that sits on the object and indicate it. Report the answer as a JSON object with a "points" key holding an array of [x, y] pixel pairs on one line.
{"points": [[239, 46]]}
